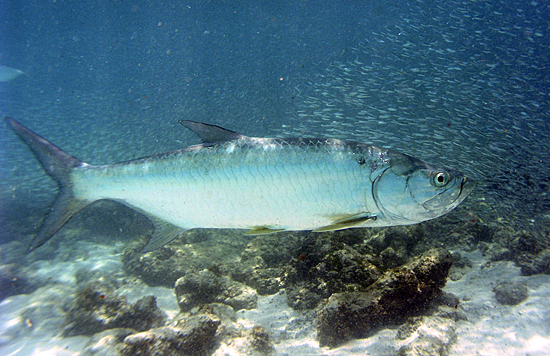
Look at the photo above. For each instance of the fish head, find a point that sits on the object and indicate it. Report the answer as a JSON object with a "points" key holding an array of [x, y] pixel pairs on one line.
{"points": [[410, 191]]}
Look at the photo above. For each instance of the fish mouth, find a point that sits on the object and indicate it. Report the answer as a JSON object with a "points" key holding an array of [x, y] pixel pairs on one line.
{"points": [[467, 184]]}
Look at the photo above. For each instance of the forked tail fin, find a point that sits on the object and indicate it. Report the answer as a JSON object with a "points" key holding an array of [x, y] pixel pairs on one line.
{"points": [[58, 165]]}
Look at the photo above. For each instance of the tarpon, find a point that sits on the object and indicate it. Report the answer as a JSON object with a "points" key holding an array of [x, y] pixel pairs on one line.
{"points": [[264, 185]]}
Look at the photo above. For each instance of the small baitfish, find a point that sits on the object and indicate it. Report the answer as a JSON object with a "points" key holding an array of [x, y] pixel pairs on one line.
{"points": [[9, 73], [264, 185]]}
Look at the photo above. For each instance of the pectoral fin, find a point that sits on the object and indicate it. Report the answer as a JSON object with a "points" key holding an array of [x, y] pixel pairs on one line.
{"points": [[347, 221], [262, 230]]}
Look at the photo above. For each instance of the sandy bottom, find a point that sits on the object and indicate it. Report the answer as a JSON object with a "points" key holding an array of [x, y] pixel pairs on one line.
{"points": [[30, 323]]}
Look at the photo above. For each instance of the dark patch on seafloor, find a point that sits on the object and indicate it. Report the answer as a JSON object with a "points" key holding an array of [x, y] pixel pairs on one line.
{"points": [[510, 293], [350, 260], [13, 281]]}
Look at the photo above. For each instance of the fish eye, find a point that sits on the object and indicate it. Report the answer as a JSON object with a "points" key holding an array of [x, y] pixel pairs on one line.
{"points": [[440, 179]]}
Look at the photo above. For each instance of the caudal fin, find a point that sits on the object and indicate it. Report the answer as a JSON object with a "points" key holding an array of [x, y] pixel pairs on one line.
{"points": [[58, 165]]}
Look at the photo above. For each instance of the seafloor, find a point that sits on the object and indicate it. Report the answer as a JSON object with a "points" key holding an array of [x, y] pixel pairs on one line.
{"points": [[380, 291]]}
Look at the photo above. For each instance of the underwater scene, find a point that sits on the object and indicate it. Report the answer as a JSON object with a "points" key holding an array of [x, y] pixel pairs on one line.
{"points": [[275, 177]]}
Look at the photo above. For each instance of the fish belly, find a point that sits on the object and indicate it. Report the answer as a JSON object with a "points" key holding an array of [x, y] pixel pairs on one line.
{"points": [[279, 190]]}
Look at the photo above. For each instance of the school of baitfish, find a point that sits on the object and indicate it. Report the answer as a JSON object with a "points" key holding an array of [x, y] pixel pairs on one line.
{"points": [[459, 81]]}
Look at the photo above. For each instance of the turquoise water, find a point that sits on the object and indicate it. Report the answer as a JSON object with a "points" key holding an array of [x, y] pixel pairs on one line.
{"points": [[460, 83]]}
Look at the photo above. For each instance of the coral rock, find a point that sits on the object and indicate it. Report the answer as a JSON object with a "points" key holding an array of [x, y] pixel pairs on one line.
{"points": [[195, 338], [97, 308], [205, 287], [398, 294]]}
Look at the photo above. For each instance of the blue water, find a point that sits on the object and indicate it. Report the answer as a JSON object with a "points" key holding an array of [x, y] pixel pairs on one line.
{"points": [[221, 62], [108, 81], [463, 83]]}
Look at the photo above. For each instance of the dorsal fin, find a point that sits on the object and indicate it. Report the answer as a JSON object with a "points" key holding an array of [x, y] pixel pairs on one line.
{"points": [[211, 133]]}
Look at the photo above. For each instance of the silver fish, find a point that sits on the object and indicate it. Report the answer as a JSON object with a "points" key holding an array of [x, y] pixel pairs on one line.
{"points": [[9, 73], [264, 185]]}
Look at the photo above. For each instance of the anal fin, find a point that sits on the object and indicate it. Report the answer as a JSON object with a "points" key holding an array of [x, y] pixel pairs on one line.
{"points": [[163, 233], [347, 221]]}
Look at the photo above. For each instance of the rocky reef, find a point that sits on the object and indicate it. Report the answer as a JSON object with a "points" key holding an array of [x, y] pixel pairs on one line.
{"points": [[194, 337], [205, 287], [398, 294], [350, 284], [433, 333], [197, 332], [314, 276], [530, 250], [97, 307]]}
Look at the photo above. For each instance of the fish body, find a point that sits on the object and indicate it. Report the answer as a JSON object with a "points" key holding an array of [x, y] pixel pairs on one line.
{"points": [[239, 184], [263, 185], [9, 73]]}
